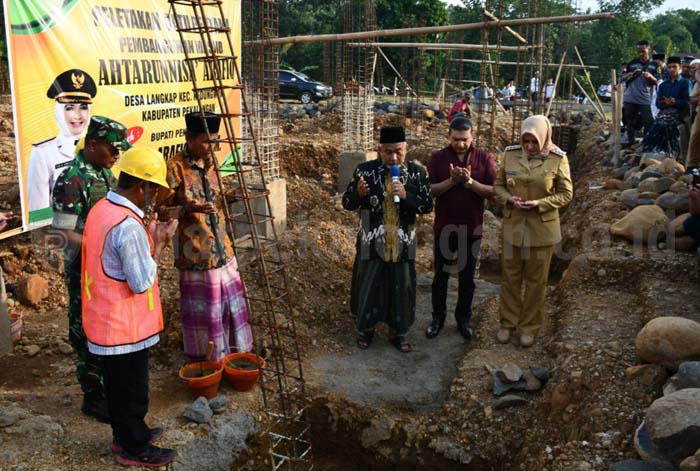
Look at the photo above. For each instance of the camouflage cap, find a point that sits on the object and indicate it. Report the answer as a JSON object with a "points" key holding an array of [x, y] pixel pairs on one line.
{"points": [[111, 131]]}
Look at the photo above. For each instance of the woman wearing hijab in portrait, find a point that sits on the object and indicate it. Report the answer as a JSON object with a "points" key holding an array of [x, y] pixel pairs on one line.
{"points": [[533, 182], [73, 91]]}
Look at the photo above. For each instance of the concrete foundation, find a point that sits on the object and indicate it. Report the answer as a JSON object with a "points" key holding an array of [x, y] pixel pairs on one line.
{"points": [[346, 166], [278, 207]]}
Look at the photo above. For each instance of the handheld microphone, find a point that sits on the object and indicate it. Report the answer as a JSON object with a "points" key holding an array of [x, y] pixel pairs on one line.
{"points": [[395, 173]]}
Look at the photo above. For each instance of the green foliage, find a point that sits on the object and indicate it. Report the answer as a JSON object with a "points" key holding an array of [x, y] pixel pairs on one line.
{"points": [[302, 17], [677, 31], [605, 43]]}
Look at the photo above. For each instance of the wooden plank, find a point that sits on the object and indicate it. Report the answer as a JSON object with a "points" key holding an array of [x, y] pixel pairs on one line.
{"points": [[556, 81]]}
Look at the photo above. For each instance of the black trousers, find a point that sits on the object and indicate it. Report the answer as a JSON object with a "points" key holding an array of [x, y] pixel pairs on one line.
{"points": [[454, 252], [126, 385], [635, 117]]}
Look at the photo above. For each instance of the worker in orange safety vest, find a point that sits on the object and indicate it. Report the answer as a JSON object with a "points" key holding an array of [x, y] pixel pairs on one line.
{"points": [[122, 313]]}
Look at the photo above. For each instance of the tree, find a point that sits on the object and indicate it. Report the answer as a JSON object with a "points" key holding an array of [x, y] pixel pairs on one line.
{"points": [[676, 26], [301, 17]]}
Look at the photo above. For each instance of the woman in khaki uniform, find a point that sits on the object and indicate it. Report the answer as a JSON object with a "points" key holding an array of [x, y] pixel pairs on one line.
{"points": [[533, 182]]}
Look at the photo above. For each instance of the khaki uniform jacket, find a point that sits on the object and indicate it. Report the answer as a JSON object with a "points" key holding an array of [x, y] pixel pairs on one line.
{"points": [[547, 180]]}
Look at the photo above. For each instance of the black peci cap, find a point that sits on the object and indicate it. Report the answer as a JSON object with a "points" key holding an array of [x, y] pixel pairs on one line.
{"points": [[659, 57], [392, 135], [73, 86], [674, 60], [195, 122]]}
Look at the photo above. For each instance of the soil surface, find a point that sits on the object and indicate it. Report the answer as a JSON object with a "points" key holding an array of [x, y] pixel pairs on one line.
{"points": [[377, 408]]}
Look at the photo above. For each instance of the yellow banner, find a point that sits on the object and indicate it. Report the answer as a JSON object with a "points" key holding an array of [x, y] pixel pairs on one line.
{"points": [[128, 60]]}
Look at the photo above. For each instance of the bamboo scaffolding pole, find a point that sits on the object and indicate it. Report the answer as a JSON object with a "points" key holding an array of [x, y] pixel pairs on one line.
{"points": [[510, 30], [429, 29], [398, 74], [439, 46], [583, 90], [556, 81], [572, 66], [588, 77]]}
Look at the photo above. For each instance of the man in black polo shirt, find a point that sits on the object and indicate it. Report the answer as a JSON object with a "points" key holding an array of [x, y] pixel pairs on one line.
{"points": [[640, 78], [461, 176]]}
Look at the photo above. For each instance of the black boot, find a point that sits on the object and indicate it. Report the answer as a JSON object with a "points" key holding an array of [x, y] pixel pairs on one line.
{"points": [[95, 406]]}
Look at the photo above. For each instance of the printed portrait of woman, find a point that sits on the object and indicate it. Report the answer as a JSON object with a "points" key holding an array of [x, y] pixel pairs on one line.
{"points": [[72, 91]]}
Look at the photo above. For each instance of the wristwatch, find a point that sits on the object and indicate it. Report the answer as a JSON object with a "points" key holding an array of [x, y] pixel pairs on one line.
{"points": [[468, 183]]}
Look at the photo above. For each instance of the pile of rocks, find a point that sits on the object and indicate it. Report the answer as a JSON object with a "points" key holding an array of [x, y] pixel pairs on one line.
{"points": [[656, 191], [15, 420], [510, 377], [669, 436], [311, 110], [202, 409]]}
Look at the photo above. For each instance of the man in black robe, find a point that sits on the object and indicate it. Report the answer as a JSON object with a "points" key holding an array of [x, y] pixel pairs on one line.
{"points": [[384, 274]]}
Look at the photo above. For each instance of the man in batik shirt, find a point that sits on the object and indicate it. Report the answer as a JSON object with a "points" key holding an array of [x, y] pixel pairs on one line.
{"points": [[212, 303]]}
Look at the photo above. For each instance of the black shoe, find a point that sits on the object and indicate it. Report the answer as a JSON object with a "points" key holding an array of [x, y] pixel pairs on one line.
{"points": [[466, 332], [151, 457], [95, 406], [154, 433], [434, 328]]}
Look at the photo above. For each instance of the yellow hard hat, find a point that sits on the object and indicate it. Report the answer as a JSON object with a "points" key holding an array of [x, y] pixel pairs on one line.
{"points": [[144, 163]]}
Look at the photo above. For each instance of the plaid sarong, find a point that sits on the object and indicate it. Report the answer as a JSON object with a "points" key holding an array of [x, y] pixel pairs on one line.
{"points": [[213, 308]]}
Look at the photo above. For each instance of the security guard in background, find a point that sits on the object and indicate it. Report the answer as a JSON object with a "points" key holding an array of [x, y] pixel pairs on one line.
{"points": [[533, 182], [73, 91], [83, 183]]}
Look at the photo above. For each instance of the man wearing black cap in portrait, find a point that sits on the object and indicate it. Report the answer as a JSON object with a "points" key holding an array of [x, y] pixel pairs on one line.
{"points": [[212, 305], [672, 101], [73, 91], [389, 192]]}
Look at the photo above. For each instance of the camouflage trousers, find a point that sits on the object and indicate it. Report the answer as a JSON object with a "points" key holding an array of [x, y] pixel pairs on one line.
{"points": [[88, 366]]}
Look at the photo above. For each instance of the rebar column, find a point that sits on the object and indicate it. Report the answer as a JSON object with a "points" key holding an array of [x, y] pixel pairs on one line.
{"points": [[215, 73]]}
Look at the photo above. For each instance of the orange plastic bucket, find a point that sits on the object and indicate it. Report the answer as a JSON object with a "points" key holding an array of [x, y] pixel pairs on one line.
{"points": [[242, 379], [202, 378]]}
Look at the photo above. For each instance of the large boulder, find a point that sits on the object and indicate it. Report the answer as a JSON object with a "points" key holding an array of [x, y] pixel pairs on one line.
{"points": [[674, 424], [670, 167], [688, 377], [630, 197], [655, 185], [669, 341], [642, 224], [677, 202], [32, 290]]}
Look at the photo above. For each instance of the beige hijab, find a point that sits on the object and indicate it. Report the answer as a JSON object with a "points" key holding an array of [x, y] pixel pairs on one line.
{"points": [[540, 127]]}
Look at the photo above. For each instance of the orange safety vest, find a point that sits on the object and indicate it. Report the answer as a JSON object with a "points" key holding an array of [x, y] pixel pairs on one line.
{"points": [[113, 314]]}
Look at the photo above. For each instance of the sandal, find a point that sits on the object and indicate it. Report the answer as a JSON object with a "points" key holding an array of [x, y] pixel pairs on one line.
{"points": [[401, 344], [364, 339]]}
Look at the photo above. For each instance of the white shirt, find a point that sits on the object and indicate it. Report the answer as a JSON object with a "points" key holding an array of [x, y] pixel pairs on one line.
{"points": [[46, 162], [534, 84], [549, 90]]}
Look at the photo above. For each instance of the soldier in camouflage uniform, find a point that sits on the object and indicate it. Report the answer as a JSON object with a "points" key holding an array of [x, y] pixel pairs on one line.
{"points": [[83, 183]]}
